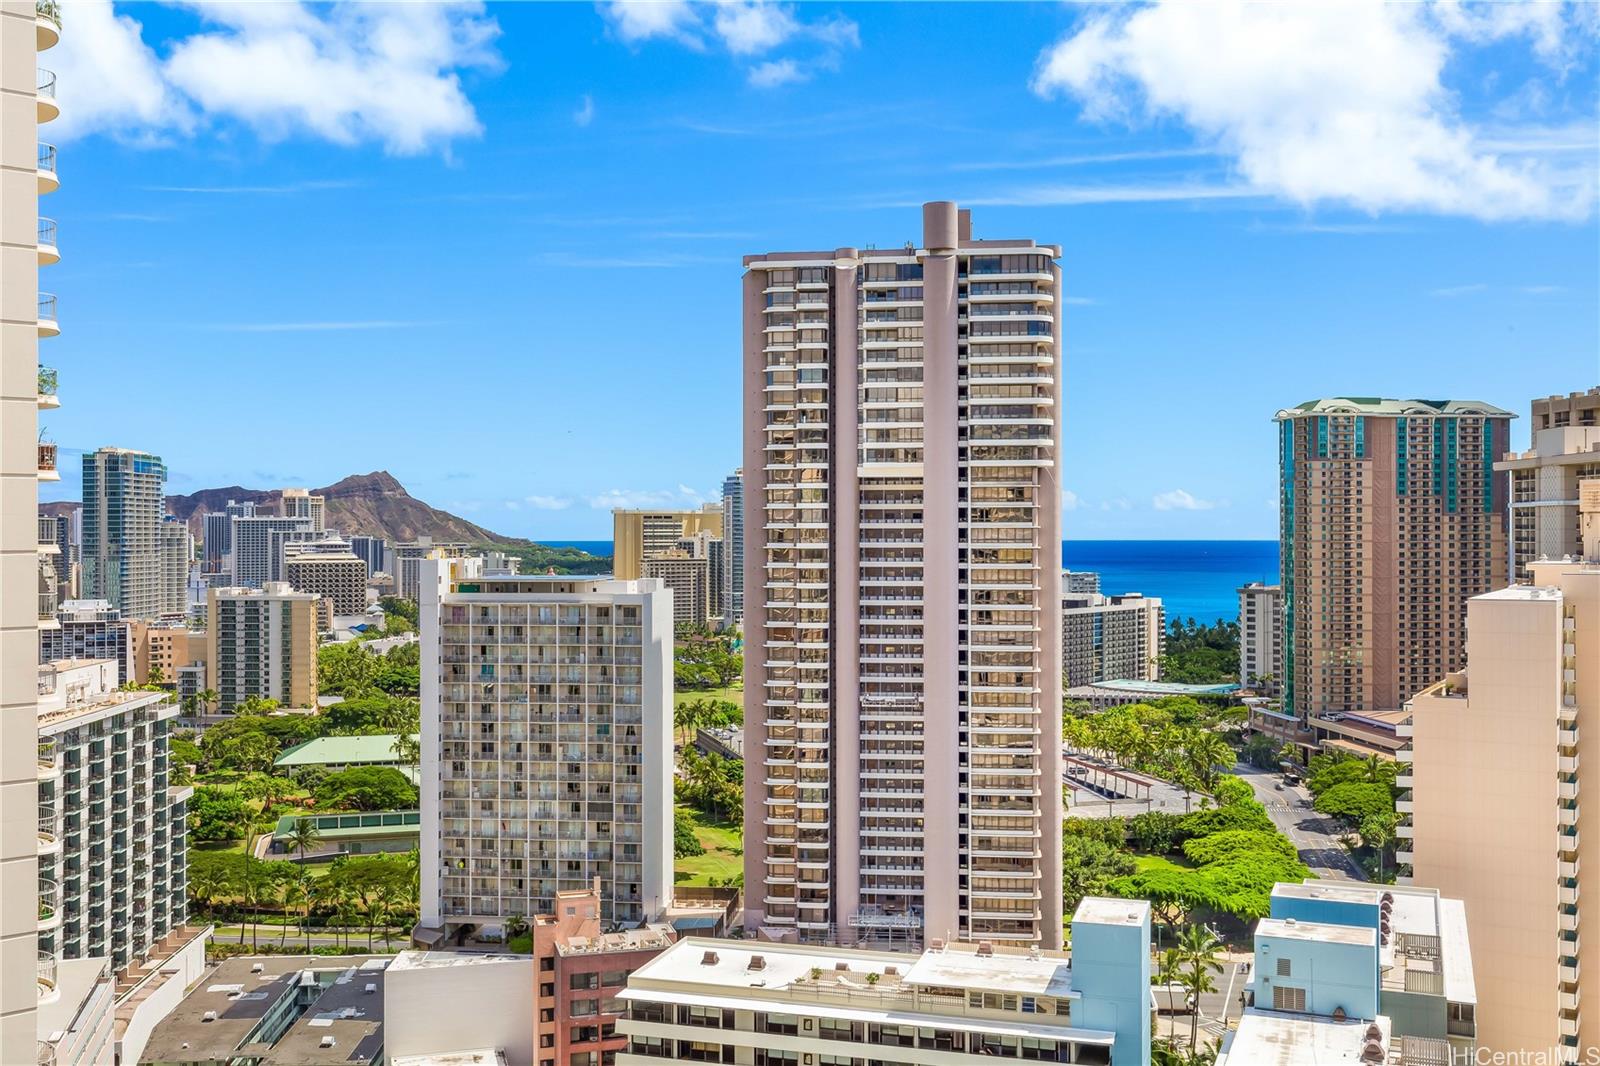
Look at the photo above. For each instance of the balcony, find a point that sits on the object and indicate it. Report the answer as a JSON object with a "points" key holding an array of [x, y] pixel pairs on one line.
{"points": [[46, 24], [47, 387], [45, 88], [49, 180], [47, 462], [49, 766], [47, 979], [49, 832], [48, 252], [49, 325], [49, 906]]}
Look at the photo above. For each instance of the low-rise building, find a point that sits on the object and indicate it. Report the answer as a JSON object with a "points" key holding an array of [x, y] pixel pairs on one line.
{"points": [[349, 833], [163, 650], [262, 642], [1080, 582], [1111, 638], [342, 753], [741, 1001], [445, 1008], [1358, 973], [278, 1010], [1103, 694]]}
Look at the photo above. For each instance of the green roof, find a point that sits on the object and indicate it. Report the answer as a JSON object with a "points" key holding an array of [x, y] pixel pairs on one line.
{"points": [[346, 824], [1379, 405], [341, 751]]}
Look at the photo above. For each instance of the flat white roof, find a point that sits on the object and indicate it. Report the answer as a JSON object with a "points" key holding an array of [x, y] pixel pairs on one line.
{"points": [[1267, 1038], [1459, 984], [1290, 929], [992, 973], [435, 960], [1104, 911], [487, 1056]]}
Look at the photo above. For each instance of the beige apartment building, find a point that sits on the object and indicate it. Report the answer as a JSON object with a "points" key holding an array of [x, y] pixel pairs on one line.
{"points": [[902, 592], [27, 241], [167, 648], [340, 577], [302, 503], [638, 535], [177, 555], [546, 745], [1111, 638], [262, 642], [1498, 784], [688, 576], [1565, 449], [1391, 519], [1261, 638]]}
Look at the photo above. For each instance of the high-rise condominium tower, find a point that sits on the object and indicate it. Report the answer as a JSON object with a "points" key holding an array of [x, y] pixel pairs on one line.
{"points": [[218, 533], [177, 553], [1499, 784], [123, 505], [1261, 637], [1391, 519], [303, 503], [733, 549], [546, 746], [27, 168], [903, 589], [1545, 478]]}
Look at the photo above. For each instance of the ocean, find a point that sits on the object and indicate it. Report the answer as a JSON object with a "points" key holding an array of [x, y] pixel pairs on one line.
{"points": [[1195, 578]]}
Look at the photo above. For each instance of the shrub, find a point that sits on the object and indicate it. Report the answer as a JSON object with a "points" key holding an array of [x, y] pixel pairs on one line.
{"points": [[1156, 831]]}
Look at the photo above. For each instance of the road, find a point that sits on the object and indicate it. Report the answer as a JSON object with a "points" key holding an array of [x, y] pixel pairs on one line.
{"points": [[1316, 837], [1218, 1010]]}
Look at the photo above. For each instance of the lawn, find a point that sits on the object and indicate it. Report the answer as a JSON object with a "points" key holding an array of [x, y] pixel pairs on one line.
{"points": [[724, 857], [1147, 863], [735, 694]]}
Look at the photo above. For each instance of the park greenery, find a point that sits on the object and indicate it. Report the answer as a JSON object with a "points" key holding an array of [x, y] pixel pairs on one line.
{"points": [[712, 785], [1199, 654], [1179, 739], [1360, 794], [543, 558], [704, 659]]}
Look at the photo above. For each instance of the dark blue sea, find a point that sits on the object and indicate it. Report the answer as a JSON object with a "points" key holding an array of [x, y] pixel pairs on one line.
{"points": [[1195, 578]]}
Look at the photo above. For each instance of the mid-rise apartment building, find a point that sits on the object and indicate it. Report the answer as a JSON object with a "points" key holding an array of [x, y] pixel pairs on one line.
{"points": [[51, 588], [405, 563], [1391, 519], [165, 651], [27, 241], [762, 1004], [637, 535], [56, 530], [123, 504], [329, 569], [1080, 583], [262, 642], [370, 550], [112, 830], [1544, 480], [903, 586], [1261, 637], [546, 744], [177, 555], [1359, 973], [1498, 784], [733, 550], [217, 530], [303, 503], [90, 629], [251, 543], [692, 571], [1111, 638]]}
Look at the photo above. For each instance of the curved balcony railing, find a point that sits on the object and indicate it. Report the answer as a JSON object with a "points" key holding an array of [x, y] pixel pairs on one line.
{"points": [[47, 457], [49, 830], [49, 904], [47, 756], [49, 11], [45, 83], [47, 158], [48, 382], [47, 986], [47, 1053], [47, 307], [47, 231]]}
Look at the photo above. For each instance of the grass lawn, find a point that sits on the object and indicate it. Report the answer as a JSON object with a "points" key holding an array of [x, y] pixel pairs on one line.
{"points": [[724, 857], [1147, 863], [734, 694]]}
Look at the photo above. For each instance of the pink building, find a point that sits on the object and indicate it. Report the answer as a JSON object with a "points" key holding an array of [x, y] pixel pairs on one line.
{"points": [[903, 583]]}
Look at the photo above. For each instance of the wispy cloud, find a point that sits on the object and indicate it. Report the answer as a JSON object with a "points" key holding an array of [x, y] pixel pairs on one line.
{"points": [[1180, 500], [744, 29], [547, 503], [1073, 195], [1541, 290], [1450, 292], [319, 327], [1348, 229], [776, 72], [627, 499], [585, 113], [1069, 500], [1090, 159]]}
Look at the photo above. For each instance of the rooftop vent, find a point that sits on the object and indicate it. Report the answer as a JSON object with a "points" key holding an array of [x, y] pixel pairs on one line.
{"points": [[936, 944], [1338, 1014], [326, 1041], [758, 962], [257, 967], [985, 948], [1372, 1052], [845, 966], [370, 988], [1373, 1032], [891, 971], [708, 959], [209, 1016]]}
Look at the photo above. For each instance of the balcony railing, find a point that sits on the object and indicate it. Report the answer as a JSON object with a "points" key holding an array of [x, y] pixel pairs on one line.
{"points": [[49, 10], [47, 307], [47, 232], [47, 381], [49, 900], [47, 457], [46, 83], [47, 158]]}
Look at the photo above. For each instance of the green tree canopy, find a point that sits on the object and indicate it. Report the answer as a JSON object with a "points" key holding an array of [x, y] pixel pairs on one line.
{"points": [[367, 788], [1352, 802]]}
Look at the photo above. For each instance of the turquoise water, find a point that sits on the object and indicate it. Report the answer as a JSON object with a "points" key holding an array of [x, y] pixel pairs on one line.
{"points": [[1195, 578]]}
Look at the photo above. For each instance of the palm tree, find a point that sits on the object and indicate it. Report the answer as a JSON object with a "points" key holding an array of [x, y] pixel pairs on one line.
{"points": [[388, 902], [349, 910], [303, 837], [207, 697], [1198, 949], [290, 893], [1169, 969], [1205, 751]]}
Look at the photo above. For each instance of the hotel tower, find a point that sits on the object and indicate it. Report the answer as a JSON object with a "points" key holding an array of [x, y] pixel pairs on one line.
{"points": [[902, 590]]}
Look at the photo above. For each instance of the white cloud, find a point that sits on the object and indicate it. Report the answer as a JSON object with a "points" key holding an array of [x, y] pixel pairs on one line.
{"points": [[1542, 290], [1069, 500], [1452, 291], [625, 499], [1340, 103], [585, 113], [745, 29], [350, 74], [1180, 500], [547, 503], [777, 72]]}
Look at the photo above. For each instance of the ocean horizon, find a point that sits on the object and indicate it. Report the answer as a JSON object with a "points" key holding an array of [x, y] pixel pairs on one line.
{"points": [[1196, 579]]}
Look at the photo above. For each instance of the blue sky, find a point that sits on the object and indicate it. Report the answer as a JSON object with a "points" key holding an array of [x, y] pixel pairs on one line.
{"points": [[496, 251]]}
